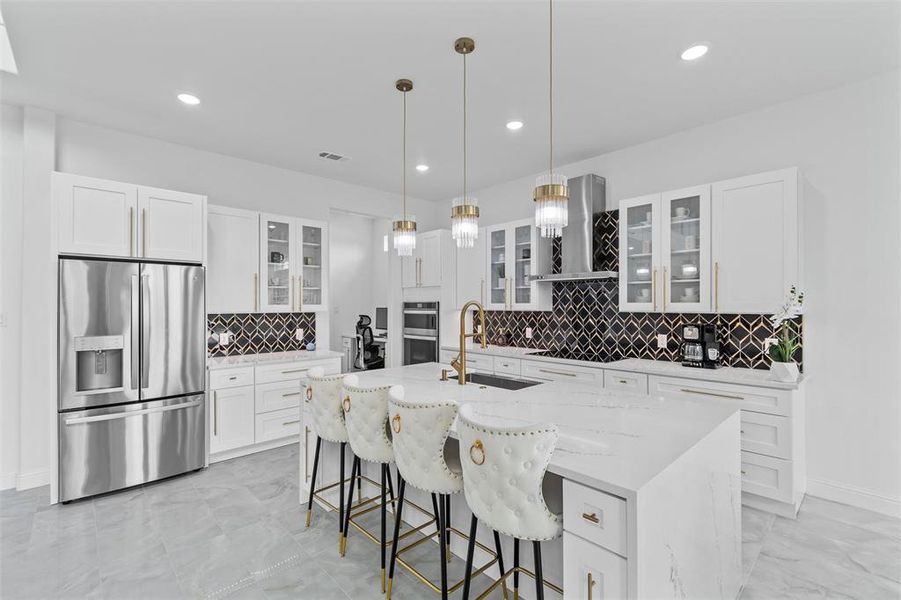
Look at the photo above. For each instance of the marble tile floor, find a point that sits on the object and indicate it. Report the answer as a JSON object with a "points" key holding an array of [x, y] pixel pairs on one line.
{"points": [[236, 530]]}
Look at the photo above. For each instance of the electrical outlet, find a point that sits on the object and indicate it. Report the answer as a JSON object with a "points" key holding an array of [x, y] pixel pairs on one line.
{"points": [[771, 341], [661, 341], [225, 338], [528, 333], [299, 335]]}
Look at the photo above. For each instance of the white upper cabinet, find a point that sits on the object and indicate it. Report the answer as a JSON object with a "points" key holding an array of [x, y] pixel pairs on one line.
{"points": [[639, 254], [108, 218], [232, 282], [171, 224], [424, 268], [95, 216], [755, 253], [471, 272], [515, 252], [278, 240], [685, 250], [312, 266]]}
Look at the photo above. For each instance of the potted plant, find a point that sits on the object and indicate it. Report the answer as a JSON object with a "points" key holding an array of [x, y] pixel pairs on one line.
{"points": [[783, 366]]}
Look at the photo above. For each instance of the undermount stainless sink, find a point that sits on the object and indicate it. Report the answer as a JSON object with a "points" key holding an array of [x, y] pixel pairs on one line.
{"points": [[507, 383]]}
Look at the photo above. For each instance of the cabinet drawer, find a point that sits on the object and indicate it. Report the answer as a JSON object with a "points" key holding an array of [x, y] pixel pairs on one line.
{"points": [[596, 516], [766, 434], [277, 424], [508, 366], [756, 399], [227, 378], [479, 362], [294, 370], [590, 571], [547, 371], [276, 396], [625, 381], [766, 476]]}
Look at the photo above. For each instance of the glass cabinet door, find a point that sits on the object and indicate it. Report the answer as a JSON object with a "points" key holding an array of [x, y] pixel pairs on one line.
{"points": [[276, 257], [522, 256], [638, 228], [686, 250], [311, 277], [497, 268]]}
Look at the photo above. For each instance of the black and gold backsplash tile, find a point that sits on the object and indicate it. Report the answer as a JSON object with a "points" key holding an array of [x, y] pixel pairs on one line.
{"points": [[260, 333], [585, 323]]}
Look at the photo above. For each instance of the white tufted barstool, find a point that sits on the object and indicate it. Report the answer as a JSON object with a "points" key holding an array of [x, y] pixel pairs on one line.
{"points": [[323, 394], [366, 416], [503, 473], [420, 431]]}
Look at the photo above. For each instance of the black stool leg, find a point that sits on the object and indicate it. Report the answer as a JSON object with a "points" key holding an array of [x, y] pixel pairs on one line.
{"points": [[500, 560], [467, 576], [435, 510], [313, 481], [383, 492], [342, 545], [401, 485], [341, 492], [539, 578], [442, 519], [390, 487], [516, 569]]}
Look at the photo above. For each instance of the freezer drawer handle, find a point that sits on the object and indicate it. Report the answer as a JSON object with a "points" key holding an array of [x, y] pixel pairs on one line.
{"points": [[133, 413]]}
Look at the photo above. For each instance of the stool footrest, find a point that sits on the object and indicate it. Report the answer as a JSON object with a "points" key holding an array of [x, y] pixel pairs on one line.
{"points": [[510, 572]]}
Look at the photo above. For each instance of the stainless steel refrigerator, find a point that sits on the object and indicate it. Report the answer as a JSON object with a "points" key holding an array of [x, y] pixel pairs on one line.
{"points": [[132, 355]]}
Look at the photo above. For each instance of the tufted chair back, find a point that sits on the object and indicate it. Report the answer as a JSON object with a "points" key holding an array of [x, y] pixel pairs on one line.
{"points": [[366, 417], [419, 431], [503, 472], [323, 393]]}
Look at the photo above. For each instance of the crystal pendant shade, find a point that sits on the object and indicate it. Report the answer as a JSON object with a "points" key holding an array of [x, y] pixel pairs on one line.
{"points": [[551, 200], [465, 221], [405, 235]]}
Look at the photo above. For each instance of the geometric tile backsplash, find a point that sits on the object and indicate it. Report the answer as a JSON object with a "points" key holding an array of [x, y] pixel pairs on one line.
{"points": [[585, 323], [259, 333]]}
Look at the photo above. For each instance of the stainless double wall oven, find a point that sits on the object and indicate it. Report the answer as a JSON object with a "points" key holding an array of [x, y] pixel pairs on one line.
{"points": [[132, 357], [420, 332]]}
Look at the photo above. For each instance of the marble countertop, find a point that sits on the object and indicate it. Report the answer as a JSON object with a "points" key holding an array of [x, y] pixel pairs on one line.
{"points": [[609, 440], [735, 375], [271, 358]]}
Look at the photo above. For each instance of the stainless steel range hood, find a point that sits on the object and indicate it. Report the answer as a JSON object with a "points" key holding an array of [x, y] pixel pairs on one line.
{"points": [[587, 196]]}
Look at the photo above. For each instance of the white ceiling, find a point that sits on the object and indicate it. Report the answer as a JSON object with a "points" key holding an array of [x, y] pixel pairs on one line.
{"points": [[281, 81]]}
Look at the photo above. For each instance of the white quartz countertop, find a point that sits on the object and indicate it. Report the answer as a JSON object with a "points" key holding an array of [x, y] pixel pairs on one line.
{"points": [[735, 375], [609, 440], [270, 358]]}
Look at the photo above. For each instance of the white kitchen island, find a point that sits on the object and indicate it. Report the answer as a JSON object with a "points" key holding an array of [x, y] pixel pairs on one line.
{"points": [[660, 476]]}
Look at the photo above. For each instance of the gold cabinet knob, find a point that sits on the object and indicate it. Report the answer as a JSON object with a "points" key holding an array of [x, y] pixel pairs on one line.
{"points": [[346, 404], [477, 452]]}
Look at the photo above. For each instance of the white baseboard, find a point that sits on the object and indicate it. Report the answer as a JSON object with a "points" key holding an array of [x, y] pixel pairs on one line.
{"points": [[8, 481], [854, 496], [26, 481]]}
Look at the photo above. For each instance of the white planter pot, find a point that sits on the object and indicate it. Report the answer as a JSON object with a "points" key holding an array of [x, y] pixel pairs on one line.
{"points": [[786, 372]]}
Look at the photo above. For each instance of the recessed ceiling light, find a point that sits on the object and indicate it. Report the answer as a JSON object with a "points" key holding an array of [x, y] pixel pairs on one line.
{"points": [[422, 168], [514, 125], [189, 99], [695, 52]]}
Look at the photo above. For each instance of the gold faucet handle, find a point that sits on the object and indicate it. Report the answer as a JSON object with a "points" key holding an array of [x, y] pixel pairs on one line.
{"points": [[456, 362]]}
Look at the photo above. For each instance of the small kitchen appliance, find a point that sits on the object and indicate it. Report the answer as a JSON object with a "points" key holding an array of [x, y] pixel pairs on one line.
{"points": [[700, 347]]}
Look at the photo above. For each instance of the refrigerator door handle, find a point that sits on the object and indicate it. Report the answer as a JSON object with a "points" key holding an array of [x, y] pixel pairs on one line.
{"points": [[135, 335], [145, 333], [132, 413]]}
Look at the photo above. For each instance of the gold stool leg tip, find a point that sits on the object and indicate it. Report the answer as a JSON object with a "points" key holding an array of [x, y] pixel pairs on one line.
{"points": [[383, 580], [388, 592], [342, 545], [309, 517]]}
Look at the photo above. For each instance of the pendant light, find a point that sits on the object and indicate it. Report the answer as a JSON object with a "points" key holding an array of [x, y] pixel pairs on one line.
{"points": [[405, 225], [551, 193], [465, 209]]}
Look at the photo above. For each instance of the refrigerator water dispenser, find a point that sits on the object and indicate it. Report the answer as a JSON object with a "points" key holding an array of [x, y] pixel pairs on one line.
{"points": [[98, 364]]}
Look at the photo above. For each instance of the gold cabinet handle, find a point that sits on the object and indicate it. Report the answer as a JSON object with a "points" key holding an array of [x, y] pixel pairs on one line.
{"points": [[346, 404], [131, 231], [623, 381], [477, 452], [290, 394], [716, 287], [665, 285], [395, 423], [557, 372], [482, 291], [591, 518], [294, 371], [300, 294], [591, 583], [295, 421], [256, 292], [144, 232], [654, 287], [744, 472], [700, 393], [215, 414]]}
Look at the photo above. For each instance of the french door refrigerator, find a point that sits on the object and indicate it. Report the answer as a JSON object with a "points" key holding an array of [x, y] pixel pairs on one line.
{"points": [[132, 354]]}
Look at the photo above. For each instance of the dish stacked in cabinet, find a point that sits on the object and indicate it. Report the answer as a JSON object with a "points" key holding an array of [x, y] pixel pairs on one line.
{"points": [[257, 407]]}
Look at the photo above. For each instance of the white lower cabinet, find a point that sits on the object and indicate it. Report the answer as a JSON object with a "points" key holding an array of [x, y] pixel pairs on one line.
{"points": [[591, 572], [277, 424], [625, 381], [548, 371], [766, 476], [277, 395], [231, 418]]}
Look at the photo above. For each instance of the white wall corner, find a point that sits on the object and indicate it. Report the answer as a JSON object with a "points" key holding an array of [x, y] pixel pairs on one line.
{"points": [[8, 481], [853, 496], [27, 481]]}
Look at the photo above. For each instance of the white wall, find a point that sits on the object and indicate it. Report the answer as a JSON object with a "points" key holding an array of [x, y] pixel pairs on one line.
{"points": [[350, 272], [846, 142]]}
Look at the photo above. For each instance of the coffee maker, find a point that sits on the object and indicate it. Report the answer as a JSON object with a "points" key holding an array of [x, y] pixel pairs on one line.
{"points": [[700, 347]]}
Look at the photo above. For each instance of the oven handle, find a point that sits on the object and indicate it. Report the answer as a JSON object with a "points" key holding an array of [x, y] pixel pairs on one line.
{"points": [[132, 413], [408, 336], [420, 311]]}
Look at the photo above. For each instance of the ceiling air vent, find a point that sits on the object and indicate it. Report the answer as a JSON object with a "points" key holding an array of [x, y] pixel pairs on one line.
{"points": [[333, 157]]}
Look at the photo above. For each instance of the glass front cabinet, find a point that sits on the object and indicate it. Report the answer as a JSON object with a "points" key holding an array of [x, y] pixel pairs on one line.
{"points": [[515, 252], [294, 264], [665, 252]]}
